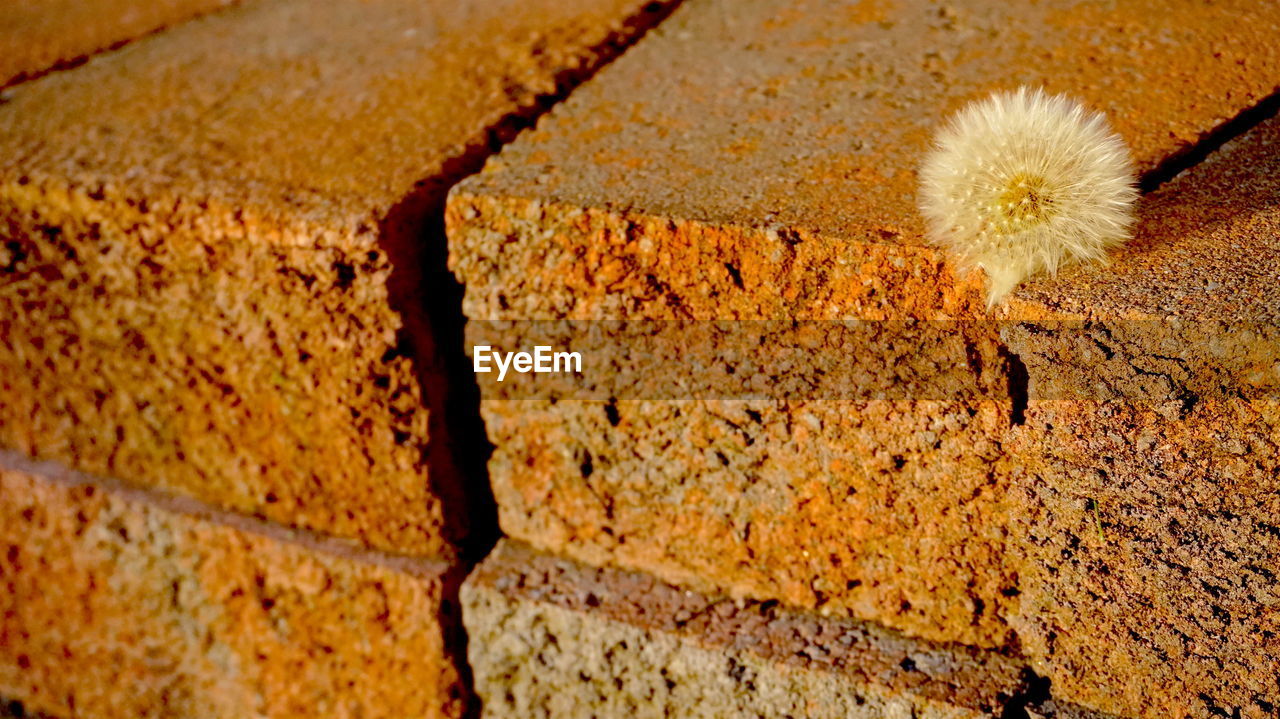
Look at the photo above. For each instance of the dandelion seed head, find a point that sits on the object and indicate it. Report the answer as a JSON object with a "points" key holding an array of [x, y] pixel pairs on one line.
{"points": [[1025, 182]]}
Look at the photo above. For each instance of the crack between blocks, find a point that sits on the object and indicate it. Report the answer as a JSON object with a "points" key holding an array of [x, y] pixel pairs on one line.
{"points": [[71, 63], [1209, 143], [1019, 382], [1163, 173], [1034, 693], [182, 505], [429, 298]]}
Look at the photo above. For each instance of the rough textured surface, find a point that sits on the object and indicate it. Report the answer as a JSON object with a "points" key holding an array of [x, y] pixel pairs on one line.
{"points": [[1205, 249], [882, 509], [38, 36], [117, 603], [1151, 445], [809, 119], [553, 638], [756, 160], [218, 246]]}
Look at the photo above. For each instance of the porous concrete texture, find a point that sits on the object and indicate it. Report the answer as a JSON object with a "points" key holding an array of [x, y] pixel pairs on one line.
{"points": [[119, 602], [756, 160], [222, 244], [1151, 445], [549, 637], [39, 36], [884, 509], [808, 119]]}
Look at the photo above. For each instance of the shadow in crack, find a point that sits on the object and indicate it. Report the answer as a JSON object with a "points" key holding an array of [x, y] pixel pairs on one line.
{"points": [[1209, 143], [429, 300]]}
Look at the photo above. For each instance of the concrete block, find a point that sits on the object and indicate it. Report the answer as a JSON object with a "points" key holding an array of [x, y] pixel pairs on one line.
{"points": [[756, 161], [1151, 490], [549, 637], [120, 602], [221, 250]]}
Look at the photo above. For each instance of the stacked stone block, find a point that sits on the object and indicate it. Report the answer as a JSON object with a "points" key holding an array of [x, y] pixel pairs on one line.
{"points": [[121, 603], [1152, 487], [231, 478], [756, 161], [550, 637], [223, 316]]}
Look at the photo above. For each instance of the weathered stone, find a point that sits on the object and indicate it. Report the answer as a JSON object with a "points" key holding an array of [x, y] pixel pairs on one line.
{"points": [[756, 160], [1152, 490], [221, 249], [38, 36], [549, 637], [119, 602]]}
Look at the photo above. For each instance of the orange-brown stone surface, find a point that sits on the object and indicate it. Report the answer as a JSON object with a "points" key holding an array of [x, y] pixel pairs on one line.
{"points": [[38, 36], [116, 602], [809, 119], [220, 249], [1152, 441], [756, 160], [549, 637]]}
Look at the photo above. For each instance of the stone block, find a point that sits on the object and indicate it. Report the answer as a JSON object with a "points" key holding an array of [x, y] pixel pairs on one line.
{"points": [[120, 602]]}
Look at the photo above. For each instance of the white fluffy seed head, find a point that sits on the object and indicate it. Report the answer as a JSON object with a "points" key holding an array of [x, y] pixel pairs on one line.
{"points": [[1025, 182]]}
